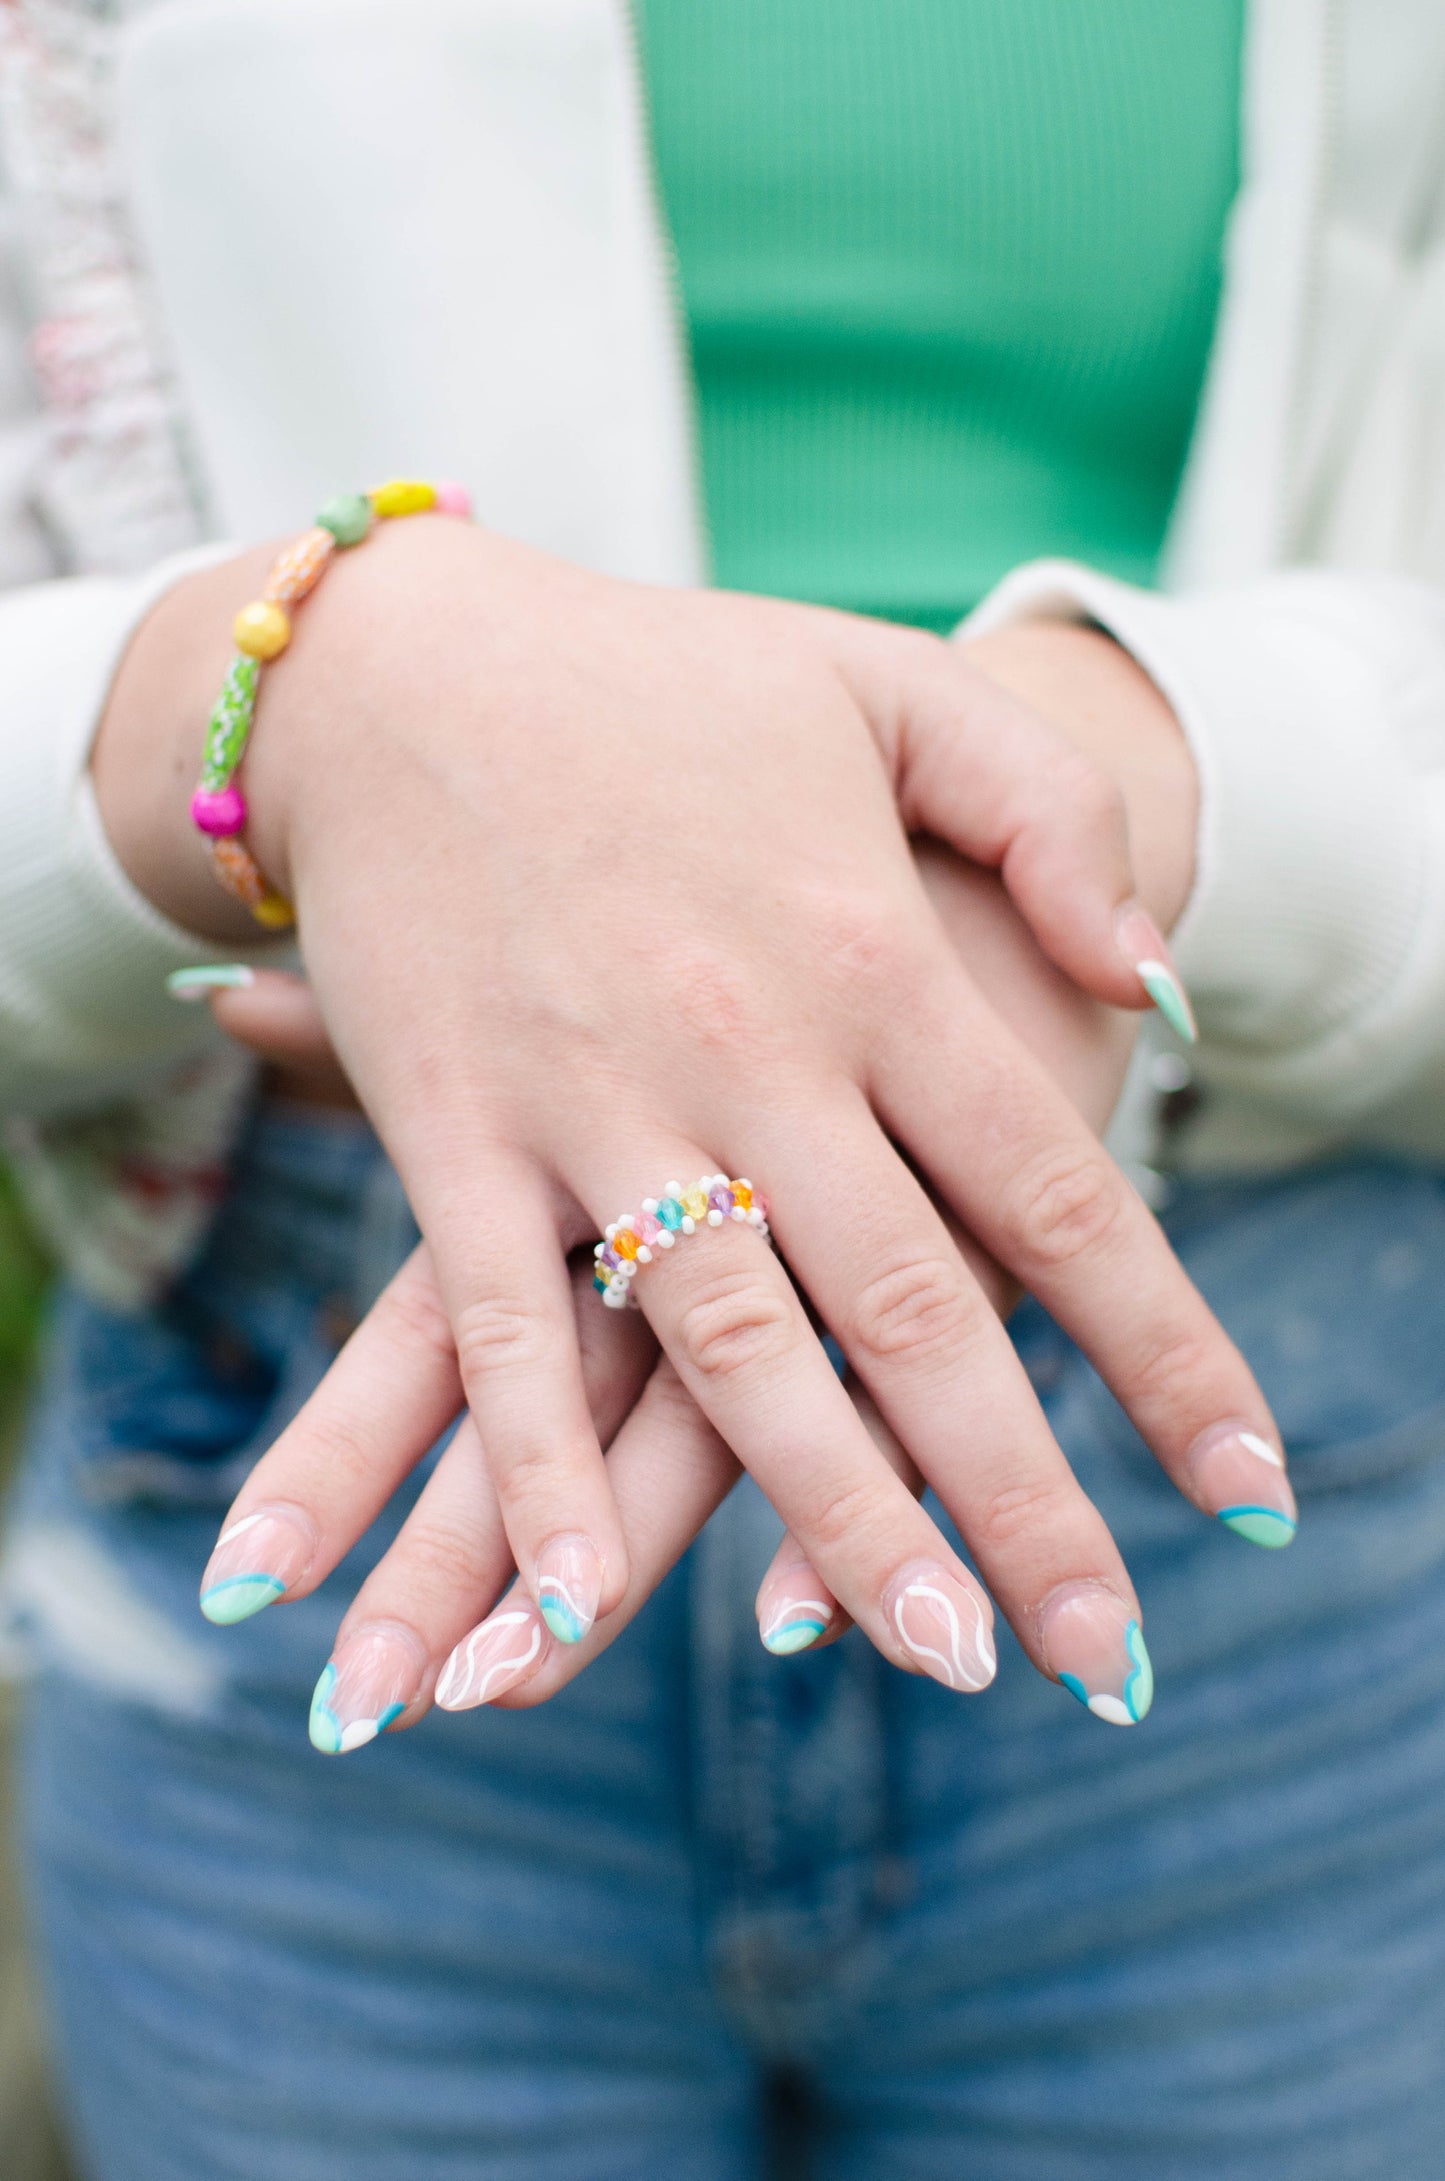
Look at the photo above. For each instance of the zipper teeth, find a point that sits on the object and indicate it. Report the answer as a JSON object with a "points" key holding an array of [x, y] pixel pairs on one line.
{"points": [[672, 280]]}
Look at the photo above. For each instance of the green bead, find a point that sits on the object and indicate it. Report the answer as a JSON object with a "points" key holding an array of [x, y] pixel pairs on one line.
{"points": [[348, 518], [230, 722]]}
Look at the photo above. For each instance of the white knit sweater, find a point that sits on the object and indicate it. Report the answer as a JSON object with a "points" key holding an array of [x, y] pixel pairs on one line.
{"points": [[257, 250]]}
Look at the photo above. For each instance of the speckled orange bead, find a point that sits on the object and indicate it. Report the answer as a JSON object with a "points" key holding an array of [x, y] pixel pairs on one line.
{"points": [[262, 630], [300, 568]]}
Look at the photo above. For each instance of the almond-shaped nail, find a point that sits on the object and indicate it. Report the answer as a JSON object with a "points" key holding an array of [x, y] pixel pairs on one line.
{"points": [[255, 1562], [494, 1657], [1093, 1644], [943, 1626], [373, 1675], [569, 1584], [794, 1610], [1142, 945], [1238, 1474], [198, 984]]}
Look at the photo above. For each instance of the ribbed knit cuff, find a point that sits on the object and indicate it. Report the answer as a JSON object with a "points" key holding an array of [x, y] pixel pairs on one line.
{"points": [[1309, 927], [84, 1015]]}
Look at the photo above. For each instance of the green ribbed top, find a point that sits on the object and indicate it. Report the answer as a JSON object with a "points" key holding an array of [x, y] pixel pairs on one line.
{"points": [[950, 270]]}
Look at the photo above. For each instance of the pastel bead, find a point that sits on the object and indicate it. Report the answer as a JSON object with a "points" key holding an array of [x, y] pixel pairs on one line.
{"points": [[720, 1200], [262, 630], [348, 518], [669, 1211], [694, 1201], [625, 1242], [403, 496], [219, 811], [743, 1195], [609, 1259], [300, 568], [452, 498], [601, 1281], [649, 1226]]}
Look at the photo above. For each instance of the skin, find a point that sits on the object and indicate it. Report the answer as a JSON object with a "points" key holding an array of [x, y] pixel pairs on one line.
{"points": [[564, 948]]}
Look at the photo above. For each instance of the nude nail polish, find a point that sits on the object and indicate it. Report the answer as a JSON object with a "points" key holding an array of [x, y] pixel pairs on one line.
{"points": [[495, 1656], [1143, 947], [255, 1562], [943, 1626], [794, 1610], [568, 1586], [1238, 1474], [365, 1686], [1094, 1646]]}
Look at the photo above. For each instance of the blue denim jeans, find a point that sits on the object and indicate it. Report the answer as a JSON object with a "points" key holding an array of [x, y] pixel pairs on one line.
{"points": [[714, 1915]]}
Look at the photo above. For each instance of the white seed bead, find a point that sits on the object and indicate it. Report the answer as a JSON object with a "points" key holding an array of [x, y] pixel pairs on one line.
{"points": [[615, 1296], [738, 1212], [666, 1239], [649, 1204], [755, 1218], [644, 1255], [743, 1182], [714, 1219], [609, 1232], [689, 1225], [674, 1189]]}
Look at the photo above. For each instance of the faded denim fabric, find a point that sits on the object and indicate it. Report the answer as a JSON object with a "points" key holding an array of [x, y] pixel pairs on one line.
{"points": [[714, 1915]]}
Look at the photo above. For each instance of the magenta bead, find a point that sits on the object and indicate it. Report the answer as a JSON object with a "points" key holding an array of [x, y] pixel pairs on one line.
{"points": [[720, 1200], [452, 498], [220, 812]]}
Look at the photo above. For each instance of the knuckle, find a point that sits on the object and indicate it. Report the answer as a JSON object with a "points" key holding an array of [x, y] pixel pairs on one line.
{"points": [[735, 1324], [1069, 1209], [495, 1336], [918, 1309], [847, 1516], [1010, 1512], [441, 1563], [416, 1321], [1170, 1368], [1093, 796]]}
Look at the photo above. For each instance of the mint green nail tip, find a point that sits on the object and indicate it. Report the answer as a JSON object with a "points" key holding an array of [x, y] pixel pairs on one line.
{"points": [[238, 1597], [562, 1621], [1261, 1525], [194, 984], [793, 1636], [325, 1727], [1168, 996]]}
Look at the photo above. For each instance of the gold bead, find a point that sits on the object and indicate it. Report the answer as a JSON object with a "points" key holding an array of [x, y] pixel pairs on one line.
{"points": [[274, 912], [262, 630], [404, 496]]}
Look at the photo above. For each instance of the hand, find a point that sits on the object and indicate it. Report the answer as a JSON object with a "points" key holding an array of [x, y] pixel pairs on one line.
{"points": [[565, 948]]}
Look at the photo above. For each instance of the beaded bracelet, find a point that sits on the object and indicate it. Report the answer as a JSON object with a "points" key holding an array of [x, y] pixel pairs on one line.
{"points": [[261, 632], [632, 1240]]}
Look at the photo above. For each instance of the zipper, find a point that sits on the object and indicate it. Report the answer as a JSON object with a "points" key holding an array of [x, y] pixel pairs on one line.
{"points": [[670, 271]]}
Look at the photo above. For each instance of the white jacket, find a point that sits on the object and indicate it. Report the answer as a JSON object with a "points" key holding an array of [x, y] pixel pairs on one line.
{"points": [[256, 251]]}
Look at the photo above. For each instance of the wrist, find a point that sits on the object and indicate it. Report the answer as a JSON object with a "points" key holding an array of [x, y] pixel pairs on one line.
{"points": [[1099, 695]]}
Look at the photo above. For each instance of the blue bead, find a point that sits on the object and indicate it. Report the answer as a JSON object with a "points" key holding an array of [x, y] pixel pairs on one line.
{"points": [[670, 1212]]}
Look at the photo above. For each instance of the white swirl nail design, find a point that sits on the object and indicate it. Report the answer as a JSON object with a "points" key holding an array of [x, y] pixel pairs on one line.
{"points": [[929, 1627], [474, 1672]]}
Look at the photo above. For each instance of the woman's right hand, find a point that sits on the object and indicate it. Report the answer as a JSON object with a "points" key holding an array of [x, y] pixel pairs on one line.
{"points": [[599, 885]]}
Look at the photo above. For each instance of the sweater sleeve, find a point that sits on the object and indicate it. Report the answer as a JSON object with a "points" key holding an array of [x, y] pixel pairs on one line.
{"points": [[85, 1020], [1314, 940]]}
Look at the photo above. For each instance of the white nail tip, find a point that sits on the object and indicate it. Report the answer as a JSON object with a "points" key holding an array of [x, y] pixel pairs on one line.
{"points": [[358, 1734], [1114, 1709]]}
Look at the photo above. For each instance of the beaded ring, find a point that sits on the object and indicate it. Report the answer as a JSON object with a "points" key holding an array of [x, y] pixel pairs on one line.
{"points": [[635, 1238], [261, 632]]}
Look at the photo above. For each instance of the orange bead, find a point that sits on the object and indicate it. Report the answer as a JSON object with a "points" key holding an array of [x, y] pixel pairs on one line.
{"points": [[743, 1195], [300, 568], [625, 1242]]}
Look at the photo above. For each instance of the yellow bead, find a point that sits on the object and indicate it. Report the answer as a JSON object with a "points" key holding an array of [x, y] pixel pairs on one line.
{"points": [[694, 1201], [274, 912], [404, 496], [262, 630]]}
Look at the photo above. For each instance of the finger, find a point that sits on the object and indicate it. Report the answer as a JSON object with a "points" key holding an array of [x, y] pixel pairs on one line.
{"points": [[737, 1335], [387, 1398], [981, 769], [274, 1015], [884, 1273], [1006, 1147], [494, 1239], [796, 1610], [670, 1471]]}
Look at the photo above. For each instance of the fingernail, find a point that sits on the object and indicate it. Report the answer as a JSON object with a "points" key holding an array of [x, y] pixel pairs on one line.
{"points": [[942, 1626], [1093, 1644], [255, 1562], [1141, 943], [569, 1584], [1239, 1476], [373, 1676], [494, 1657], [194, 984], [793, 1608]]}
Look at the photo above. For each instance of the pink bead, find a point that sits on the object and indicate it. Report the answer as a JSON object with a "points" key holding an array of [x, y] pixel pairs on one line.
{"points": [[452, 498], [648, 1227], [221, 812]]}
